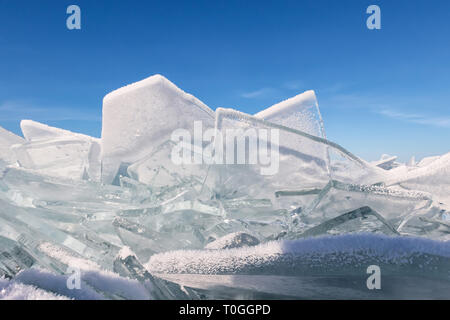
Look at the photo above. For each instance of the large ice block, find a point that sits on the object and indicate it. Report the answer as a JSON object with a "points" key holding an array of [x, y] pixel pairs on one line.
{"points": [[300, 159], [57, 152], [301, 113], [140, 117]]}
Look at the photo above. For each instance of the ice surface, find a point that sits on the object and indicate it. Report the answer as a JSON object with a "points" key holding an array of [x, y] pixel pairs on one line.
{"points": [[140, 117], [212, 230], [57, 152]]}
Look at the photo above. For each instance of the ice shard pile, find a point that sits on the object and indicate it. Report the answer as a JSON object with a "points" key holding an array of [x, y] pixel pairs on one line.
{"points": [[262, 206]]}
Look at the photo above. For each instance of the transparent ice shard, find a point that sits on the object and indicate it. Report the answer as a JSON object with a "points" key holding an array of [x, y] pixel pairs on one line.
{"points": [[13, 258], [354, 170], [55, 191], [394, 206], [362, 213], [159, 170], [292, 157], [30, 230], [303, 163]]}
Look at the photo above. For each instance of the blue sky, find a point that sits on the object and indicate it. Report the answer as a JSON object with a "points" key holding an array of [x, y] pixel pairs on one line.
{"points": [[380, 91]]}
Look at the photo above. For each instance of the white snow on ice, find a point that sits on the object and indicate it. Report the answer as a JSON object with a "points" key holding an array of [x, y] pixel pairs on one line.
{"points": [[395, 250]]}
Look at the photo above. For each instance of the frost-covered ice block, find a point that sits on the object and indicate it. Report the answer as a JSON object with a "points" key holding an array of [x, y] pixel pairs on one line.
{"points": [[140, 117], [313, 256], [300, 112], [7, 140], [57, 152], [323, 267]]}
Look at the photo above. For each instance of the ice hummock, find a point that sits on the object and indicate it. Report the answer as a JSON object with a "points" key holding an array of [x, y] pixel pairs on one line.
{"points": [[135, 222]]}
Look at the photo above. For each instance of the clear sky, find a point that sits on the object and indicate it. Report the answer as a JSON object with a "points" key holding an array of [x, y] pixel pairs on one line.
{"points": [[380, 91]]}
